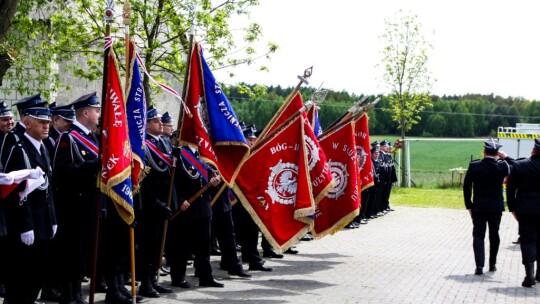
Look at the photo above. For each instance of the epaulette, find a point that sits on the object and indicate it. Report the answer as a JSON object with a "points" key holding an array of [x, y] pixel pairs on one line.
{"points": [[475, 160], [521, 158]]}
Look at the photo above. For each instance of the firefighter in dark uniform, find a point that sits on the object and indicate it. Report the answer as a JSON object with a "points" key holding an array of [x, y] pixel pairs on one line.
{"points": [[13, 136], [247, 232], [223, 229], [190, 231], [76, 165], [62, 118], [6, 124], [153, 210], [168, 129], [31, 220], [388, 176], [483, 194], [523, 195]]}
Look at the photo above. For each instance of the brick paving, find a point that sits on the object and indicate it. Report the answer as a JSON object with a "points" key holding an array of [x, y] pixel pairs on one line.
{"points": [[412, 255]]}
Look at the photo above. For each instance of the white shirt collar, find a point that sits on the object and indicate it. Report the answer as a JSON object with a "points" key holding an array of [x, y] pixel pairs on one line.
{"points": [[85, 129], [35, 142], [155, 137]]}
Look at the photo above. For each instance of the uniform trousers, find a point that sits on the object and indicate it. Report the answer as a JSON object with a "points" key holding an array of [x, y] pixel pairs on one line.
{"points": [[529, 236], [482, 220]]}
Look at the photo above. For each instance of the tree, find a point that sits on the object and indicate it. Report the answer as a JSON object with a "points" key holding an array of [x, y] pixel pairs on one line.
{"points": [[405, 58], [7, 11], [160, 29]]}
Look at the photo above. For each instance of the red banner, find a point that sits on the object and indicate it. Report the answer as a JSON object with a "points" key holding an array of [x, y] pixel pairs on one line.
{"points": [[363, 149], [214, 128], [274, 188], [116, 150], [341, 204], [319, 173]]}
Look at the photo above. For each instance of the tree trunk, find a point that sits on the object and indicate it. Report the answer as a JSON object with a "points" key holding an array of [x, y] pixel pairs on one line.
{"points": [[8, 8]]}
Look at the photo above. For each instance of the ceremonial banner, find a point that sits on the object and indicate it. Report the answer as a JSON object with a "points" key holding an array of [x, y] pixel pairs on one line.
{"points": [[273, 186], [214, 128], [116, 150], [363, 149], [319, 173], [340, 205], [136, 117]]}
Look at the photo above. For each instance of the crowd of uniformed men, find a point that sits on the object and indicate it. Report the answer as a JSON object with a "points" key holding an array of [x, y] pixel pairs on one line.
{"points": [[47, 245]]}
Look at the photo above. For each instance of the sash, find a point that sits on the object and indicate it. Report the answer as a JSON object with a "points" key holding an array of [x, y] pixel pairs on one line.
{"points": [[164, 157], [85, 142], [191, 159]]}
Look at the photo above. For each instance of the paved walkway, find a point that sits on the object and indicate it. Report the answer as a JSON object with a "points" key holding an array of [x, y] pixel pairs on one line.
{"points": [[412, 255]]}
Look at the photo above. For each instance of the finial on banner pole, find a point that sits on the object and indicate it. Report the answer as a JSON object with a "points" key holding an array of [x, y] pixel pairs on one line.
{"points": [[109, 11]]}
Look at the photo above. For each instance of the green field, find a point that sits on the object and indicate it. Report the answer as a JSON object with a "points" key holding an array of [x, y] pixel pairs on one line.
{"points": [[418, 197], [431, 161]]}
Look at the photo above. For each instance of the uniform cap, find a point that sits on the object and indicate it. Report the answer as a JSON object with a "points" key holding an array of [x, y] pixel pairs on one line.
{"points": [[5, 110], [492, 145], [166, 118], [30, 101], [375, 143], [152, 113], [374, 149], [66, 111], [88, 100], [249, 132], [537, 143], [384, 143], [41, 113]]}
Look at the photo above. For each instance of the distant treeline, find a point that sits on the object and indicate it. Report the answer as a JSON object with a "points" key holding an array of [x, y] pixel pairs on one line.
{"points": [[470, 115]]}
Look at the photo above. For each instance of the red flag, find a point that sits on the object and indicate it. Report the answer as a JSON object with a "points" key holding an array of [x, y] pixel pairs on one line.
{"points": [[319, 173], [363, 149], [341, 204], [116, 150], [213, 129], [274, 188]]}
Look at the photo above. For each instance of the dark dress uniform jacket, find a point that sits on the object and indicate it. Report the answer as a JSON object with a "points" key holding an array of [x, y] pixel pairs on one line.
{"points": [[188, 182], [484, 178], [37, 211], [523, 189]]}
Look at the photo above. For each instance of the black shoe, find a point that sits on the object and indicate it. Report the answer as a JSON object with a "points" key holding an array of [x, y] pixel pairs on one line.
{"points": [[260, 267], [211, 283], [238, 248], [165, 270], [492, 268], [147, 291], [363, 221], [272, 254], [116, 298], [215, 252], [528, 282], [389, 209], [240, 272], [181, 284], [126, 293], [101, 286], [161, 289], [479, 271], [307, 237], [50, 295], [291, 250]]}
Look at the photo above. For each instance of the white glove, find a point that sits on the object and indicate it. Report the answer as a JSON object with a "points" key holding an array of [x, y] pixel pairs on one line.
{"points": [[28, 237], [36, 173], [54, 228], [6, 179]]}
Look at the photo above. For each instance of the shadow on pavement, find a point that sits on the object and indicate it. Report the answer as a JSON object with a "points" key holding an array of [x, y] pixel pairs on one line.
{"points": [[516, 291], [472, 278]]}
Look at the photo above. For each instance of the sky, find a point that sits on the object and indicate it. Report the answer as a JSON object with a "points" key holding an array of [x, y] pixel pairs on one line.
{"points": [[480, 46]]}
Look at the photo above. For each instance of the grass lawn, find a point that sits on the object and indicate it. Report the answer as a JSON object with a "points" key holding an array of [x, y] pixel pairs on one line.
{"points": [[431, 161], [419, 197]]}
